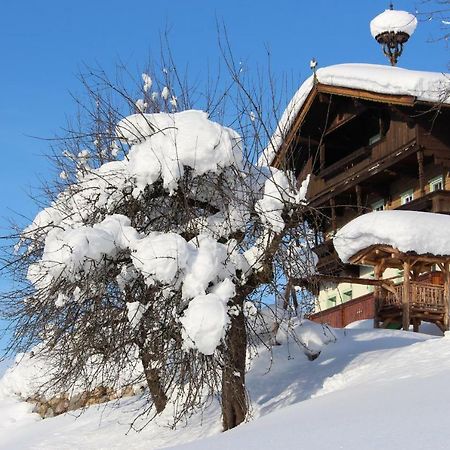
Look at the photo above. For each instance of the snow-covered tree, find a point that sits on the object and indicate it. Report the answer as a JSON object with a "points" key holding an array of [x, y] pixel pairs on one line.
{"points": [[159, 236]]}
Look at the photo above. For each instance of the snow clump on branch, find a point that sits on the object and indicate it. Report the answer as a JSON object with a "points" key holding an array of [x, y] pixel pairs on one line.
{"points": [[165, 144]]}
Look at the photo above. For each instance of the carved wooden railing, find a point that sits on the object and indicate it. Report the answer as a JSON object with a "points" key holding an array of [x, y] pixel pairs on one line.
{"points": [[392, 299], [422, 295]]}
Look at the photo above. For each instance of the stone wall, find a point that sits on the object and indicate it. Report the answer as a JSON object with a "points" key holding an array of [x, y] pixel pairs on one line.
{"points": [[63, 403]]}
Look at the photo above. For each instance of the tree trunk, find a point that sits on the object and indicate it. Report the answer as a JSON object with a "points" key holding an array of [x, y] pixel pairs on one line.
{"points": [[153, 378], [234, 397]]}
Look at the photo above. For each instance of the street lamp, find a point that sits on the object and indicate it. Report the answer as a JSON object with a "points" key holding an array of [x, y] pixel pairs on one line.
{"points": [[392, 29]]}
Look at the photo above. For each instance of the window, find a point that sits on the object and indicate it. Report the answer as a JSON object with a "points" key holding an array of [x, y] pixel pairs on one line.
{"points": [[347, 295], [331, 301], [378, 206], [374, 139], [370, 276], [407, 197], [436, 184]]}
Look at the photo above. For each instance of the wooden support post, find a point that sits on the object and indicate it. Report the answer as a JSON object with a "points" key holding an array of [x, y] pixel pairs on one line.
{"points": [[322, 156], [421, 172], [333, 215], [358, 198], [378, 273], [406, 294], [446, 295]]}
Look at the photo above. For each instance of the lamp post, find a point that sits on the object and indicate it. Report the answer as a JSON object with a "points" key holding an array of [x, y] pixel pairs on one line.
{"points": [[392, 29]]}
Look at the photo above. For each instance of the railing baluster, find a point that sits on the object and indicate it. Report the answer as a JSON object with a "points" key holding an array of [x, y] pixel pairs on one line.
{"points": [[424, 295]]}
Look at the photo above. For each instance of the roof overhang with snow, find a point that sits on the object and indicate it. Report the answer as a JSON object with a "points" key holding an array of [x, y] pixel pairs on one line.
{"points": [[394, 236], [389, 256], [375, 83]]}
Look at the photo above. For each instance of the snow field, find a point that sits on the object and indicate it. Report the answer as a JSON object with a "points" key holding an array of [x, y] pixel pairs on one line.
{"points": [[368, 389]]}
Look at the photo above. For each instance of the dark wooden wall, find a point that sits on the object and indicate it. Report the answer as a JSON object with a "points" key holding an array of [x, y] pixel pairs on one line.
{"points": [[340, 316]]}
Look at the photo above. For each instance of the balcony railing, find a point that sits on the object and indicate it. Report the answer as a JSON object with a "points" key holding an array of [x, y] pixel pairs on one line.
{"points": [[422, 296]]}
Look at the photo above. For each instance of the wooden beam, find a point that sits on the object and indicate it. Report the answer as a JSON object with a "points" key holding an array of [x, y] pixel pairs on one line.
{"points": [[344, 118], [406, 294], [292, 131], [322, 156], [366, 95], [307, 140], [378, 273], [358, 198], [333, 214], [354, 280], [421, 172], [370, 256], [446, 296]]}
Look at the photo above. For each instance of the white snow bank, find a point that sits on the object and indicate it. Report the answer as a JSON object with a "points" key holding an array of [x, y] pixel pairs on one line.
{"points": [[312, 336], [332, 402], [408, 231], [424, 86], [15, 414], [365, 324], [32, 373], [392, 20]]}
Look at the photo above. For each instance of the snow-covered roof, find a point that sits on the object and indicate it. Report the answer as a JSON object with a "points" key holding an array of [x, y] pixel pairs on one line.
{"points": [[424, 86], [392, 20], [407, 231]]}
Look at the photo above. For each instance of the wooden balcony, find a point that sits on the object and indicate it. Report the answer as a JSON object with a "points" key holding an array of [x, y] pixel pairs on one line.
{"points": [[426, 302], [355, 168], [345, 163], [424, 297]]}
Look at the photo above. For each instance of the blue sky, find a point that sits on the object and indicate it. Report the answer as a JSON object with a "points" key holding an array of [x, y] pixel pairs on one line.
{"points": [[44, 44]]}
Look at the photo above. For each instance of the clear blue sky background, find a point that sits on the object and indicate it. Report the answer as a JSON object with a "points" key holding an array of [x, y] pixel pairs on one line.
{"points": [[44, 44]]}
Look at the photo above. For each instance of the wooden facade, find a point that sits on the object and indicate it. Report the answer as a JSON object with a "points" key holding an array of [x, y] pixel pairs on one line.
{"points": [[341, 315], [365, 151], [428, 300]]}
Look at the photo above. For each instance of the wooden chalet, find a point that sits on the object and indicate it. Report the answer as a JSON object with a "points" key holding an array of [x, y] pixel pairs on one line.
{"points": [[372, 149]]}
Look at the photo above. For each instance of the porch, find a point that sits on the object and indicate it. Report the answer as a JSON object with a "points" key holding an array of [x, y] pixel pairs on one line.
{"points": [[422, 295], [426, 302]]}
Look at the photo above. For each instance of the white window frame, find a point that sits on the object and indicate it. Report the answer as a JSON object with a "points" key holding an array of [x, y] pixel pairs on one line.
{"points": [[407, 197], [435, 182]]}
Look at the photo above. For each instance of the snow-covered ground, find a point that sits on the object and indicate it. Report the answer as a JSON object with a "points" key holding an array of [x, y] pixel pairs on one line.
{"points": [[369, 389], [4, 365]]}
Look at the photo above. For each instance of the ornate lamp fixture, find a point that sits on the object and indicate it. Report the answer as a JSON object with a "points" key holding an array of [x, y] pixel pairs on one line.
{"points": [[392, 29]]}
